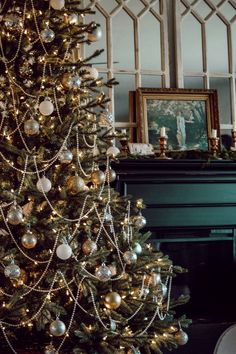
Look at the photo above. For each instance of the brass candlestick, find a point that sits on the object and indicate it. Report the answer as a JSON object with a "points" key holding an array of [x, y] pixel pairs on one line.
{"points": [[214, 146], [233, 147], [163, 148]]}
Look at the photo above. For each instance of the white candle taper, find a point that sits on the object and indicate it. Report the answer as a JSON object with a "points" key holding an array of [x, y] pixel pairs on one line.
{"points": [[163, 132], [214, 133]]}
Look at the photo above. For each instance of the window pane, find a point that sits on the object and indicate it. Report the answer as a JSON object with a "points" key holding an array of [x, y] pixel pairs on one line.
{"points": [[193, 82], [192, 44], [150, 42], [217, 45], [222, 85], [151, 81], [123, 41], [126, 84]]}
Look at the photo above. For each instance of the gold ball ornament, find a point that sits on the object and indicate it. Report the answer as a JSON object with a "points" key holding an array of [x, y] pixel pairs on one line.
{"points": [[181, 337], [112, 301], [29, 240], [98, 177], [75, 184], [31, 127], [89, 247], [15, 215], [111, 175]]}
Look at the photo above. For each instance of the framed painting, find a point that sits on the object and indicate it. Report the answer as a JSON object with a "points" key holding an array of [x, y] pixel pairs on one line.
{"points": [[188, 115]]}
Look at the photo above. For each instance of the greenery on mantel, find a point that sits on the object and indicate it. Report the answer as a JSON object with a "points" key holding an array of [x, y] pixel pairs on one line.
{"points": [[225, 155]]}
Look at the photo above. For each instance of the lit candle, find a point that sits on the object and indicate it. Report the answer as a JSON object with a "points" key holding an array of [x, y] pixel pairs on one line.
{"points": [[163, 132], [214, 133], [234, 126]]}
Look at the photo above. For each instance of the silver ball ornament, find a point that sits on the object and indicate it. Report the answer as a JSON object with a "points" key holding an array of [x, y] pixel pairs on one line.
{"points": [[130, 257], [64, 251], [108, 217], [15, 215], [137, 248], [89, 246], [47, 35], [57, 328], [12, 271], [71, 81], [50, 349], [46, 107], [57, 4], [65, 156], [95, 35], [181, 337], [31, 127], [113, 151], [111, 175], [98, 177], [161, 289], [103, 273], [73, 19], [44, 185], [29, 240], [75, 184], [156, 279], [139, 221]]}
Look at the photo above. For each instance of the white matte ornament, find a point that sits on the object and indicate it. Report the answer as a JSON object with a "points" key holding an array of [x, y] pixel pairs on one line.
{"points": [[57, 328], [57, 4], [44, 185], [46, 107], [113, 151], [91, 73], [181, 337], [137, 248], [64, 251]]}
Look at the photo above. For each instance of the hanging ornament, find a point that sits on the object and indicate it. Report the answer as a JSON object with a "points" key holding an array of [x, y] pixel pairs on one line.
{"points": [[65, 156], [108, 217], [57, 4], [97, 177], [15, 215], [29, 240], [161, 290], [181, 337], [103, 273], [95, 35], [13, 22], [89, 247], [113, 151], [21, 280], [145, 291], [73, 19], [110, 175], [47, 35], [75, 184], [130, 257], [44, 185], [50, 349], [57, 328], [31, 127], [112, 301], [91, 73], [137, 248], [12, 271], [139, 221], [64, 251], [71, 81], [46, 107], [113, 269]]}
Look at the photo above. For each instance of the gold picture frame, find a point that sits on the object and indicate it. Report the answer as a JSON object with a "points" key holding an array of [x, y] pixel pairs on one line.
{"points": [[188, 115]]}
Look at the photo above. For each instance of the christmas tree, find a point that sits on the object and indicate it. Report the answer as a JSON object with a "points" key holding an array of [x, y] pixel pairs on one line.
{"points": [[77, 275]]}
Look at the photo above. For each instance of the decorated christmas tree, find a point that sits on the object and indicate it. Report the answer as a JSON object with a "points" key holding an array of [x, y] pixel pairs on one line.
{"points": [[77, 274]]}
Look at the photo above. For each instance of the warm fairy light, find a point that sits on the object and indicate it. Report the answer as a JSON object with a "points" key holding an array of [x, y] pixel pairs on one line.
{"points": [[36, 263], [30, 325], [104, 338], [3, 304], [27, 310], [59, 188], [48, 297]]}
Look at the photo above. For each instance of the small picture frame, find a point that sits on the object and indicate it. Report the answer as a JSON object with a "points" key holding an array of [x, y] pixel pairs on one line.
{"points": [[188, 115], [141, 149]]}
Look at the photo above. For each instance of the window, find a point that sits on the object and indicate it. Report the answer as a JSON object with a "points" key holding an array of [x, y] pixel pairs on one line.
{"points": [[141, 38]]}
